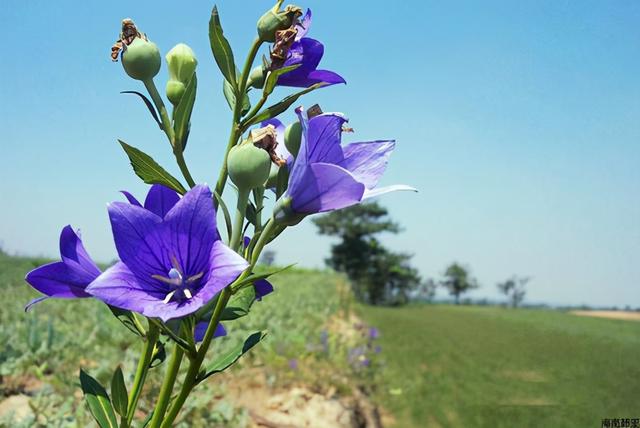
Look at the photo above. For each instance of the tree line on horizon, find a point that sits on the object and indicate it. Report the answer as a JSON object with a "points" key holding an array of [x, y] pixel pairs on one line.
{"points": [[380, 276]]}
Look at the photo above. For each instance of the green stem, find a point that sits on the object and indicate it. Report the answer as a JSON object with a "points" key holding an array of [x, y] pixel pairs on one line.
{"points": [[164, 115], [167, 387], [235, 128], [190, 380], [141, 371], [183, 167], [262, 242], [241, 209], [253, 112]]}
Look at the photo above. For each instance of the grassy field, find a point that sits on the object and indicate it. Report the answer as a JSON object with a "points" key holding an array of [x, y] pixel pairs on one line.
{"points": [[439, 365], [42, 350], [493, 367]]}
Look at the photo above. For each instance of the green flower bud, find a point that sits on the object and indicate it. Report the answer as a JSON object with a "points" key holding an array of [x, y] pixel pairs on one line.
{"points": [[248, 166], [257, 77], [276, 20], [182, 63], [293, 137], [141, 59], [175, 90]]}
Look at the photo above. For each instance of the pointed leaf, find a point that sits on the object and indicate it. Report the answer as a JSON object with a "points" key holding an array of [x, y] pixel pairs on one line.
{"points": [[159, 355], [239, 305], [282, 181], [251, 213], [221, 49], [182, 113], [126, 318], [272, 78], [230, 96], [226, 360], [263, 275], [119, 393], [149, 170], [149, 105], [98, 401], [282, 106]]}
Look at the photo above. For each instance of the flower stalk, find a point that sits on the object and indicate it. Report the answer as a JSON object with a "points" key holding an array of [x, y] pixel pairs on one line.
{"points": [[141, 372]]}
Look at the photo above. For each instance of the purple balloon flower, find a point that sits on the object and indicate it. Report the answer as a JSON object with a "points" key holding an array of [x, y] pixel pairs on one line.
{"points": [[170, 266], [325, 176], [307, 52], [160, 199], [68, 278]]}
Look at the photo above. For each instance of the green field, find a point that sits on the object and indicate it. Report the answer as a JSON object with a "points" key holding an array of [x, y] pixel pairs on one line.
{"points": [[439, 365], [494, 367]]}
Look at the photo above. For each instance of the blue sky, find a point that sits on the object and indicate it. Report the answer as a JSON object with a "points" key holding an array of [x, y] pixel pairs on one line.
{"points": [[518, 121]]}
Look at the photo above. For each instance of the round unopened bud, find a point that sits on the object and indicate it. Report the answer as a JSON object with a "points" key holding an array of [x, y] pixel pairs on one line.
{"points": [[141, 59], [276, 20], [293, 138], [248, 166], [257, 77], [175, 90], [182, 63]]}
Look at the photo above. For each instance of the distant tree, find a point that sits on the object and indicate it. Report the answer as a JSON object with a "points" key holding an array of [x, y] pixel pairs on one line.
{"points": [[268, 257], [426, 291], [457, 280], [514, 289], [377, 275]]}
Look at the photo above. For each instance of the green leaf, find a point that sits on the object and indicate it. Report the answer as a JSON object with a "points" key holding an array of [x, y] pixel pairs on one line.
{"points": [[126, 318], [239, 304], [251, 213], [119, 393], [282, 181], [149, 170], [282, 106], [230, 96], [149, 105], [182, 113], [221, 49], [272, 78], [98, 401], [225, 212], [159, 355], [263, 275], [225, 361]]}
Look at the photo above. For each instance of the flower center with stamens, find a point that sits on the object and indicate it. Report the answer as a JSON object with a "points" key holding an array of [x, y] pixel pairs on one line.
{"points": [[182, 287]]}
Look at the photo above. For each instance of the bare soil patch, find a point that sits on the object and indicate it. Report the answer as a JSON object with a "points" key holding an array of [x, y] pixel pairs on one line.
{"points": [[614, 315]]}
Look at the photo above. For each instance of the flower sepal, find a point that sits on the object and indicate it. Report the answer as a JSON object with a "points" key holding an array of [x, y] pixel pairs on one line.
{"points": [[284, 214]]}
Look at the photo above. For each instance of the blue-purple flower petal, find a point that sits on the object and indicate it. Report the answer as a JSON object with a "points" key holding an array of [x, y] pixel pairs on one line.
{"points": [[170, 267], [201, 329], [69, 277], [367, 161], [160, 199], [132, 199], [262, 287]]}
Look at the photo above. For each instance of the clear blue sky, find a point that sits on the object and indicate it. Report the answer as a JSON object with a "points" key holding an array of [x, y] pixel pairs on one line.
{"points": [[518, 121]]}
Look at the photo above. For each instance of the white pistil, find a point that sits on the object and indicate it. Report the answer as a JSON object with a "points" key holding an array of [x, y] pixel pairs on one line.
{"points": [[187, 293]]}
